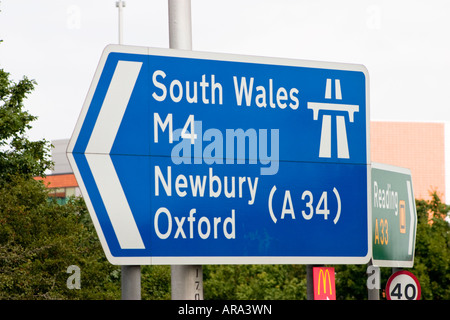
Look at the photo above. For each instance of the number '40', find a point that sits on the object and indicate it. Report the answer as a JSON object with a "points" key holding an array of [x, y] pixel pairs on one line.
{"points": [[409, 291]]}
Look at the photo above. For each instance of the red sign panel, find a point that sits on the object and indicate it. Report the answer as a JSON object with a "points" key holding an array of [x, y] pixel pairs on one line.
{"points": [[324, 285]]}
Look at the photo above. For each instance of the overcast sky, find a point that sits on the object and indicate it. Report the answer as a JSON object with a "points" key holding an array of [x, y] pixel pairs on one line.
{"points": [[405, 45]]}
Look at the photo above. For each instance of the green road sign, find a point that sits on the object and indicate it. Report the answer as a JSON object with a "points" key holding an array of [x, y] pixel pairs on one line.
{"points": [[394, 216]]}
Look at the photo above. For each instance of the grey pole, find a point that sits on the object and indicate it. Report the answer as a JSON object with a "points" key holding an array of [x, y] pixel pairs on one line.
{"points": [[186, 280], [373, 281], [309, 282], [131, 275], [120, 4], [180, 26], [131, 282]]}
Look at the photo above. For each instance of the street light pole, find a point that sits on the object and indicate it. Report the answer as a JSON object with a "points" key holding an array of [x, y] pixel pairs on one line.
{"points": [[187, 280], [131, 275], [120, 4]]}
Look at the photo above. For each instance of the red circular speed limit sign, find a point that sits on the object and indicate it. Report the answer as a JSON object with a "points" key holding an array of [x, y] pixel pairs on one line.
{"points": [[403, 285]]}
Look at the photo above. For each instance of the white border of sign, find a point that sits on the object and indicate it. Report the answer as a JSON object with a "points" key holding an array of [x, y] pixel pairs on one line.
{"points": [[233, 58], [411, 199]]}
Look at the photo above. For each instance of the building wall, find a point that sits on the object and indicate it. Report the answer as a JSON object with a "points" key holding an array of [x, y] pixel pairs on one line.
{"points": [[60, 180], [62, 186], [59, 157], [419, 146]]}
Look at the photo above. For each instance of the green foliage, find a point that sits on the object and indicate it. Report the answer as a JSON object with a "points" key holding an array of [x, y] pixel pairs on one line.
{"points": [[431, 261], [254, 282], [40, 239], [432, 256], [18, 155], [155, 283], [350, 282]]}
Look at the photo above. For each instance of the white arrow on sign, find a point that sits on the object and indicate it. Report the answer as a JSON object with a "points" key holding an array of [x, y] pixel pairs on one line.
{"points": [[412, 217], [98, 154]]}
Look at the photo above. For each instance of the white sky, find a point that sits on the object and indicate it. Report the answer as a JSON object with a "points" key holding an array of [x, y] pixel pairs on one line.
{"points": [[405, 45]]}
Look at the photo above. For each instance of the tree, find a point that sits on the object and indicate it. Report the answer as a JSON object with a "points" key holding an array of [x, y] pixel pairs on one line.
{"points": [[40, 239], [155, 282], [432, 256], [255, 282], [431, 260], [19, 155]]}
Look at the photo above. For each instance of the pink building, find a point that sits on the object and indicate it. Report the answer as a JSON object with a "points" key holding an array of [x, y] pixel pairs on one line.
{"points": [[423, 147]]}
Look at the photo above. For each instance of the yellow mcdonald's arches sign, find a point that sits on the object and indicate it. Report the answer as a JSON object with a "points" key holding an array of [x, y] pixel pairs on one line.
{"points": [[323, 277], [324, 283]]}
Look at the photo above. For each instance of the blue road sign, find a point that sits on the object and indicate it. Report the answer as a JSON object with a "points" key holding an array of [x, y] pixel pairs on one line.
{"points": [[198, 158]]}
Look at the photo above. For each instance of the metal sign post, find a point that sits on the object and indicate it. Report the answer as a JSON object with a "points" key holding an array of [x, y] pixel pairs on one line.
{"points": [[186, 280], [131, 282], [188, 158], [373, 281], [130, 275], [120, 5]]}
